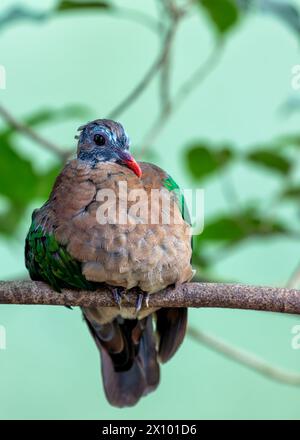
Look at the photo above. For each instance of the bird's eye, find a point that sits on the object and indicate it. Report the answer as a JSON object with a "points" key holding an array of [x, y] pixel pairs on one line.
{"points": [[99, 139]]}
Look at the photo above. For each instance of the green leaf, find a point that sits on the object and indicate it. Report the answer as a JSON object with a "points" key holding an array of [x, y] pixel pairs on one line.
{"points": [[67, 5], [9, 221], [19, 182], [17, 178], [271, 160], [289, 140], [46, 181], [199, 260], [21, 186], [223, 14], [202, 160], [223, 229], [231, 229], [292, 192]]}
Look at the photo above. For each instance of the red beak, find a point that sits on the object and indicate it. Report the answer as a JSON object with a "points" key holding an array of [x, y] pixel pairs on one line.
{"points": [[131, 163], [134, 166]]}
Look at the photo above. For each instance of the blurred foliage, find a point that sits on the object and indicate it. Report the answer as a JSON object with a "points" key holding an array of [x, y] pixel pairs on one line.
{"points": [[286, 11], [273, 160], [223, 14], [291, 193], [203, 160], [232, 229], [21, 184], [244, 222], [66, 5]]}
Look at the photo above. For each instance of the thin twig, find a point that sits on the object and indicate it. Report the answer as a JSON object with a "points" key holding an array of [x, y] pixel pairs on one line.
{"points": [[165, 83], [234, 296], [245, 358], [28, 132], [199, 75], [167, 14], [149, 75], [137, 16], [184, 91]]}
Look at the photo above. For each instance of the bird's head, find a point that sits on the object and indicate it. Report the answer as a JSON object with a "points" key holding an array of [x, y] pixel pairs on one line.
{"points": [[104, 140]]}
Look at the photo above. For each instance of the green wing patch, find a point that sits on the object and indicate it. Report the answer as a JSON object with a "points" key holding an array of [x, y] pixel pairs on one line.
{"points": [[48, 261], [171, 185]]}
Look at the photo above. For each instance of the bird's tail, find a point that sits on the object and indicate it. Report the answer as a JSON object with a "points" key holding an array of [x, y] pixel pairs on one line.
{"points": [[130, 368], [130, 355]]}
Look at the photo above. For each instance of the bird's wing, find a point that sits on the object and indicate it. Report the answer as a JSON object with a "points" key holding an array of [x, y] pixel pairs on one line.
{"points": [[47, 260], [46, 257]]}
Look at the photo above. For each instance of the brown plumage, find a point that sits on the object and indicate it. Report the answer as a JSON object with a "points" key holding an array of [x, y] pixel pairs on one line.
{"points": [[145, 254]]}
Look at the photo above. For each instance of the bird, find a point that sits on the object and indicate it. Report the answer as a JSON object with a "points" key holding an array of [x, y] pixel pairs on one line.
{"points": [[76, 242]]}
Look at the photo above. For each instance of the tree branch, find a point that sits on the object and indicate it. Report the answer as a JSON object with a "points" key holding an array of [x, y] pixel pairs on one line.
{"points": [[234, 296], [149, 75], [187, 295], [137, 16], [28, 132], [188, 86]]}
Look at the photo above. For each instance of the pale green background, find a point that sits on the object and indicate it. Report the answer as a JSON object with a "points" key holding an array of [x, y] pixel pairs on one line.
{"points": [[51, 367]]}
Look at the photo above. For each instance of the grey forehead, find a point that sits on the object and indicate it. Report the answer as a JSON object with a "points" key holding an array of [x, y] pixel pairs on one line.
{"points": [[115, 129]]}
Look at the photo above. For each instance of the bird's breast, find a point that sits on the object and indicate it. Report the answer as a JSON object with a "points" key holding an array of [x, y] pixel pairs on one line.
{"points": [[125, 231]]}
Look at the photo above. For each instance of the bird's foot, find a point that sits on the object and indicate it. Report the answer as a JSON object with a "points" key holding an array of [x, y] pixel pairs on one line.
{"points": [[118, 295], [147, 296], [142, 296]]}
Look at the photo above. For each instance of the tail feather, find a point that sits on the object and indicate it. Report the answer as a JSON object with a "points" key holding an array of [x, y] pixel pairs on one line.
{"points": [[148, 357], [171, 327], [123, 388], [130, 368]]}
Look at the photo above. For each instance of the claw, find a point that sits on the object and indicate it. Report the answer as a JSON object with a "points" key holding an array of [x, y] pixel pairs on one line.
{"points": [[147, 296], [141, 296], [139, 302], [118, 294]]}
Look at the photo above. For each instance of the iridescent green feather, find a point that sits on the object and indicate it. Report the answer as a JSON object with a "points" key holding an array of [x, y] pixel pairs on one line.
{"points": [[171, 185], [49, 261]]}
